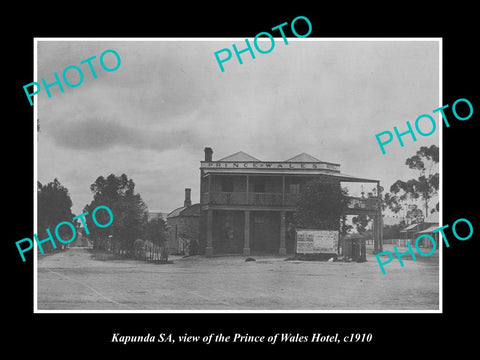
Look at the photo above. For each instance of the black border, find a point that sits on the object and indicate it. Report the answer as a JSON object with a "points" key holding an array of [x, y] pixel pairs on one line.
{"points": [[90, 334]]}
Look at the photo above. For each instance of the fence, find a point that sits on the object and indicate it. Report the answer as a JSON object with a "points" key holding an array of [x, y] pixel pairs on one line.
{"points": [[148, 251]]}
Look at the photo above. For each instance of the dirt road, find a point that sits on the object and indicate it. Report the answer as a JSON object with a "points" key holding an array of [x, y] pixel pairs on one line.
{"points": [[73, 280]]}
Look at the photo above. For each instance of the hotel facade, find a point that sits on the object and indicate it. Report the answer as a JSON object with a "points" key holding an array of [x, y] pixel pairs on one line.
{"points": [[247, 205]]}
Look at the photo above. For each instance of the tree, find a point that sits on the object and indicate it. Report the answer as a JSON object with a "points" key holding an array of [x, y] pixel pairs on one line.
{"points": [[401, 196], [129, 211], [393, 202], [361, 222], [155, 239], [321, 205], [155, 231], [393, 231], [344, 226], [425, 162], [53, 206], [414, 214], [423, 188]]}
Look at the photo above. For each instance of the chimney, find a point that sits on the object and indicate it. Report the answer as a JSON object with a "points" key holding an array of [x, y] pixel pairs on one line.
{"points": [[208, 154], [188, 201]]}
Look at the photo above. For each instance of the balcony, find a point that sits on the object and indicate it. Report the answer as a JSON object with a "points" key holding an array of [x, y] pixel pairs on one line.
{"points": [[355, 204], [250, 198], [363, 204]]}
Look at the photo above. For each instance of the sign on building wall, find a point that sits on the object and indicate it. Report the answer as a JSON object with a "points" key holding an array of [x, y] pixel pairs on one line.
{"points": [[268, 165], [316, 241]]}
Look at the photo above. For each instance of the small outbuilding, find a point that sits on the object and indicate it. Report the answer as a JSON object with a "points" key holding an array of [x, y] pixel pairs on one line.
{"points": [[183, 227], [413, 231], [430, 224]]}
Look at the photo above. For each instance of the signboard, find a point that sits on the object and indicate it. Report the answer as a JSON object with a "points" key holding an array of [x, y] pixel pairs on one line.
{"points": [[268, 165], [316, 241]]}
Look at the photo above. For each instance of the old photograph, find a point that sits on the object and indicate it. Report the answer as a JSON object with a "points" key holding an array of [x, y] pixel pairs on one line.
{"points": [[238, 175]]}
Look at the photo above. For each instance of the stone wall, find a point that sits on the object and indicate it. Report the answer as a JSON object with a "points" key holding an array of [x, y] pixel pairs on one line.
{"points": [[183, 230]]}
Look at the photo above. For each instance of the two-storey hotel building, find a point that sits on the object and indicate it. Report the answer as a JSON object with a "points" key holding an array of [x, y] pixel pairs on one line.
{"points": [[247, 205]]}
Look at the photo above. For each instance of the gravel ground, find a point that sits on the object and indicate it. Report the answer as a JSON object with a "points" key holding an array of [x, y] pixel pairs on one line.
{"points": [[75, 280]]}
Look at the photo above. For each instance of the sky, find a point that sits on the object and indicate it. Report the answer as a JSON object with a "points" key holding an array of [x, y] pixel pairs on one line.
{"points": [[152, 117]]}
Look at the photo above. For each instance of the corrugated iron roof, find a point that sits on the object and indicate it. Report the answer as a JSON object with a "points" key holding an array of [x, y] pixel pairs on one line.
{"points": [[239, 156], [193, 210], [303, 157], [176, 212], [410, 227], [428, 230]]}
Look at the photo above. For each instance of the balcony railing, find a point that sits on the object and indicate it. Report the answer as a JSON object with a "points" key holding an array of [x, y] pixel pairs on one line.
{"points": [[363, 203], [250, 198], [276, 199]]}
